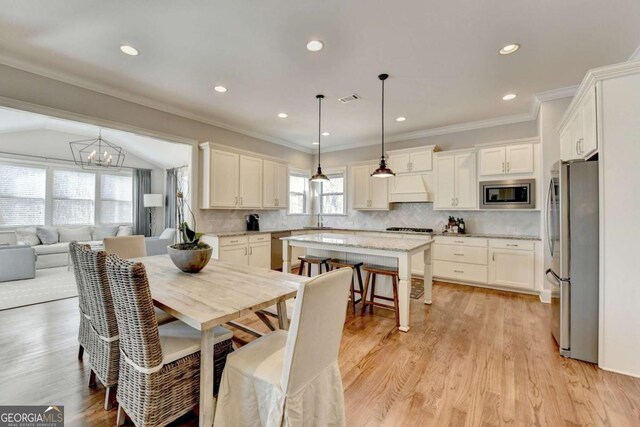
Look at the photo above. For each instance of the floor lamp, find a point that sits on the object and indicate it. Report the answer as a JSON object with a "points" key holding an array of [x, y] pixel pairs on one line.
{"points": [[150, 202]]}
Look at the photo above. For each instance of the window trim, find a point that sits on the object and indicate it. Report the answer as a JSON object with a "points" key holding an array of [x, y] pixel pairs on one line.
{"points": [[307, 195], [334, 171]]}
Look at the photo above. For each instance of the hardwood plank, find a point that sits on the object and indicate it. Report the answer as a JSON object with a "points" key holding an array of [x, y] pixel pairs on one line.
{"points": [[475, 357]]}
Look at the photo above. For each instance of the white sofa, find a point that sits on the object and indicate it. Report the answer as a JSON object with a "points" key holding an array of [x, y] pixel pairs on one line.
{"points": [[56, 254]]}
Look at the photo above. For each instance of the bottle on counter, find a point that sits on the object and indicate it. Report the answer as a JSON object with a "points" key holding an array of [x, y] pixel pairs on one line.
{"points": [[461, 225]]}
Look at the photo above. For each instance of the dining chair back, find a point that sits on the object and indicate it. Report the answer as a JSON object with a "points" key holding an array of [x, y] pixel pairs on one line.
{"points": [[316, 328], [126, 247], [84, 330]]}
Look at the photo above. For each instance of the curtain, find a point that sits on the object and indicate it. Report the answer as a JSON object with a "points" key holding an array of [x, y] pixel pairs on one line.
{"points": [[141, 186], [170, 208]]}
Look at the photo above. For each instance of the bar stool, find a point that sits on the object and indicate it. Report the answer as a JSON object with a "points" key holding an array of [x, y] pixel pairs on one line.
{"points": [[340, 263], [311, 260], [372, 272]]}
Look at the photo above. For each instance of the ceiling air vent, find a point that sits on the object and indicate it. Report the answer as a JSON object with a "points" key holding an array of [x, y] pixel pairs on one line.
{"points": [[349, 98]]}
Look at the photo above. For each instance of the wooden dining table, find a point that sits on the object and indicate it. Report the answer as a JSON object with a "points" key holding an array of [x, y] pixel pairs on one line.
{"points": [[220, 293]]}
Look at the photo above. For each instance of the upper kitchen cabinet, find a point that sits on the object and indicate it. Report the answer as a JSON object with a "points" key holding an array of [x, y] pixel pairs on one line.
{"points": [[369, 193], [456, 180], [579, 132], [515, 159], [412, 159], [274, 185], [232, 179]]}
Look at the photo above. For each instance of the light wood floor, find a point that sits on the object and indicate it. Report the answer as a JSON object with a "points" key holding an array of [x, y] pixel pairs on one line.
{"points": [[475, 357]]}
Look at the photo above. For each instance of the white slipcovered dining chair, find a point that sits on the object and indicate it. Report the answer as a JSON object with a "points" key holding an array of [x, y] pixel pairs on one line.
{"points": [[291, 379]]}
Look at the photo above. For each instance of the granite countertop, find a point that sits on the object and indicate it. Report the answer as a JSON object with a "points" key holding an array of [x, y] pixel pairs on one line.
{"points": [[491, 236], [364, 230], [396, 244]]}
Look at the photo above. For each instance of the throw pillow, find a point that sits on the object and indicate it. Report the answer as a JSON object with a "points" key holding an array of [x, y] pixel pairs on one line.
{"points": [[27, 236], [124, 230], [102, 231], [47, 235], [79, 234]]}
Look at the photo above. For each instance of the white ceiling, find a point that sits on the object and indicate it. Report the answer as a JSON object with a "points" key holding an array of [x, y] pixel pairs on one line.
{"points": [[442, 57], [160, 153]]}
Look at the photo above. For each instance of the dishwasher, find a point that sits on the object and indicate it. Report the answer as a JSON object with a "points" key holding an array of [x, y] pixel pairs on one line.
{"points": [[276, 249]]}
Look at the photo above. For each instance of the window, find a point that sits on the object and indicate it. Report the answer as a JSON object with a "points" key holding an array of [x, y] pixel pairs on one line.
{"points": [[73, 197], [22, 194], [116, 195], [298, 191], [332, 200]]}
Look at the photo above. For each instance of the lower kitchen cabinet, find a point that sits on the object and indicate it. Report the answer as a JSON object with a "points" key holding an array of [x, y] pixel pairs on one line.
{"points": [[503, 263], [253, 250], [512, 267]]}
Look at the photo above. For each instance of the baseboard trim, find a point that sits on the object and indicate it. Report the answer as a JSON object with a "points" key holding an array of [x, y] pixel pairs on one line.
{"points": [[481, 285], [616, 371]]}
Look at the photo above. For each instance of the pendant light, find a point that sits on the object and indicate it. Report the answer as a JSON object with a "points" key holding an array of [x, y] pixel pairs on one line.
{"points": [[319, 176], [383, 171]]}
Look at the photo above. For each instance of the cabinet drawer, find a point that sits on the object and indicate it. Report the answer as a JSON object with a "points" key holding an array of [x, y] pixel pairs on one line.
{"points": [[461, 240], [256, 238], [460, 254], [458, 271], [524, 245], [233, 240]]}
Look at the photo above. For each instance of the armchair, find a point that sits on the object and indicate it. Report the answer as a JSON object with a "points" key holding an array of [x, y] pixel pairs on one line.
{"points": [[17, 262], [158, 245]]}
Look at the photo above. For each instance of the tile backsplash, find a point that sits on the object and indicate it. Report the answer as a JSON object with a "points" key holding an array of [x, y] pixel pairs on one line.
{"points": [[401, 215]]}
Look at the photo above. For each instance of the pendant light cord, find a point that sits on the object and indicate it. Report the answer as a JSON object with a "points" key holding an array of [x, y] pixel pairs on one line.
{"points": [[319, 125], [382, 154]]}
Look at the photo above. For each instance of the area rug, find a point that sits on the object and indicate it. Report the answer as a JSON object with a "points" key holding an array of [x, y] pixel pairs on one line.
{"points": [[50, 284], [417, 288]]}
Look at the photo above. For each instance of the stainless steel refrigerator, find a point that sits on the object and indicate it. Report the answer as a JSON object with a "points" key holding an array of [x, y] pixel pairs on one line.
{"points": [[572, 233]]}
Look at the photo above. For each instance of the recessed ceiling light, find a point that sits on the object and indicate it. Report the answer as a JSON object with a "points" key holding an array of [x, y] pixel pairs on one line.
{"points": [[509, 97], [129, 50], [401, 119], [325, 134], [220, 89], [509, 49], [315, 45], [283, 115], [315, 143]]}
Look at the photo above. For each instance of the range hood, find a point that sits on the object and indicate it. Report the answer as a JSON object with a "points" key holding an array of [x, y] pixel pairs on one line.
{"points": [[407, 188]]}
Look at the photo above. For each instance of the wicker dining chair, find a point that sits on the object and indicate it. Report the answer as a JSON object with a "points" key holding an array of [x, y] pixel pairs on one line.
{"points": [[159, 365], [84, 331], [104, 355]]}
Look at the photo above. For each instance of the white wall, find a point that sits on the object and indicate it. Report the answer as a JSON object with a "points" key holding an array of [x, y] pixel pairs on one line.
{"points": [[551, 113], [620, 225]]}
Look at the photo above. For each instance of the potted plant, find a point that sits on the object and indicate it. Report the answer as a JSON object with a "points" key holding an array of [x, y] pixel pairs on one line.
{"points": [[190, 254]]}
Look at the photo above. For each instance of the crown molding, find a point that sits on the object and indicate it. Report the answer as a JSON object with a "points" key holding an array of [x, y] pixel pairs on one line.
{"points": [[144, 101], [538, 98]]}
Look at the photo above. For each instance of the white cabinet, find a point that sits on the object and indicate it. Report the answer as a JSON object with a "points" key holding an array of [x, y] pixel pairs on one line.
{"points": [[224, 170], [253, 250], [507, 160], [260, 254], [579, 134], [250, 194], [233, 180], [412, 159], [369, 193], [234, 254], [456, 181], [274, 184], [509, 267]]}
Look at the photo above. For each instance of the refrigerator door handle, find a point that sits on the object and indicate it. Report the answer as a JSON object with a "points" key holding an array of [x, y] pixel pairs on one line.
{"points": [[548, 217], [556, 278]]}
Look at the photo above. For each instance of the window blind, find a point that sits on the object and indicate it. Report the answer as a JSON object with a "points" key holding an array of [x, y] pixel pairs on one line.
{"points": [[73, 197], [22, 194], [116, 195]]}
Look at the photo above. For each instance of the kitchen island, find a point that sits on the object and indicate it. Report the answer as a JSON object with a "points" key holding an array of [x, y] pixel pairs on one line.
{"points": [[391, 252]]}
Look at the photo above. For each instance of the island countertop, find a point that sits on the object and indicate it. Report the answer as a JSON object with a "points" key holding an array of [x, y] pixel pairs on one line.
{"points": [[365, 242]]}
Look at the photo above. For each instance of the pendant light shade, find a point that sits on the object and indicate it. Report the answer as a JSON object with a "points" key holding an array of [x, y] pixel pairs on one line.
{"points": [[319, 176], [383, 171]]}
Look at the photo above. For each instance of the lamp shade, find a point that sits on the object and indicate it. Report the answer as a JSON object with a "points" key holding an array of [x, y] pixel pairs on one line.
{"points": [[153, 200]]}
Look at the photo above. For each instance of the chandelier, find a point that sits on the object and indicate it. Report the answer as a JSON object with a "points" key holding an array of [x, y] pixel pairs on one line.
{"points": [[96, 153]]}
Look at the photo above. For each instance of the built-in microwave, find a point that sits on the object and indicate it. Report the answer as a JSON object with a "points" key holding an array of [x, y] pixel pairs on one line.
{"points": [[508, 194]]}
